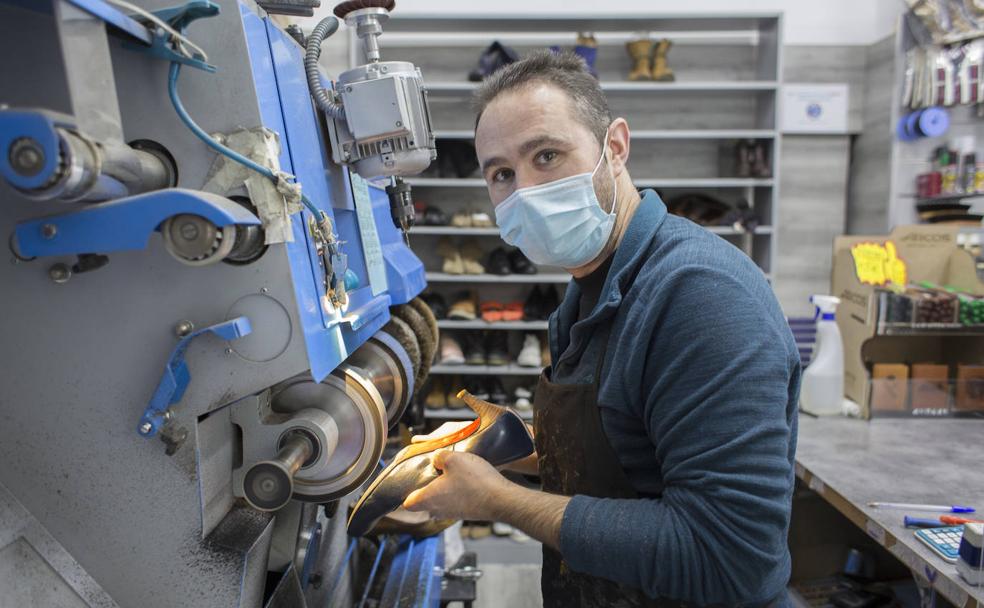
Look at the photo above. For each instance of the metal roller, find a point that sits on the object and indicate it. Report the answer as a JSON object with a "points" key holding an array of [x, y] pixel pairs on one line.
{"points": [[385, 363]]}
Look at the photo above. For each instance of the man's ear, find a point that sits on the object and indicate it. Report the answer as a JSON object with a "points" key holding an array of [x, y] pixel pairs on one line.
{"points": [[618, 145]]}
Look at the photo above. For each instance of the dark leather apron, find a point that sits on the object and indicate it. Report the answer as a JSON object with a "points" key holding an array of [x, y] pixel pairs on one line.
{"points": [[575, 457]]}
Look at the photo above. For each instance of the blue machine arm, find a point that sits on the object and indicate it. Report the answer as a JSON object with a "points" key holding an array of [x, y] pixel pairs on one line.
{"points": [[176, 376], [123, 224]]}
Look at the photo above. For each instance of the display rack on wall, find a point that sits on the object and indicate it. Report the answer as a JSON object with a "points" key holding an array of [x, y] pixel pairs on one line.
{"points": [[688, 138]]}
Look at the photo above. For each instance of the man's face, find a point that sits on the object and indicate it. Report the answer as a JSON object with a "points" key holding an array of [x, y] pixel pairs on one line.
{"points": [[529, 136]]}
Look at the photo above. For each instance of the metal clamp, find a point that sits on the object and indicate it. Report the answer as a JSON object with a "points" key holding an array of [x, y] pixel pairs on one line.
{"points": [[179, 18], [176, 376]]}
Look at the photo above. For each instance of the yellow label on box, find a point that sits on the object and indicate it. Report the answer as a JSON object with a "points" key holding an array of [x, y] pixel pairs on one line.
{"points": [[878, 263]]}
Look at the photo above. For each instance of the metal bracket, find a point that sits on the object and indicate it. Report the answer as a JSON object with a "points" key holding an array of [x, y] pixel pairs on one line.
{"points": [[178, 17], [176, 376], [39, 128], [123, 224]]}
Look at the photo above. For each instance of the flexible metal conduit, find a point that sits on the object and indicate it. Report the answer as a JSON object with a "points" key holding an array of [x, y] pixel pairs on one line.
{"points": [[325, 28]]}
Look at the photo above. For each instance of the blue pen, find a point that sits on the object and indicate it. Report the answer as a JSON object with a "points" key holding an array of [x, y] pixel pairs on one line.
{"points": [[911, 507], [920, 522]]}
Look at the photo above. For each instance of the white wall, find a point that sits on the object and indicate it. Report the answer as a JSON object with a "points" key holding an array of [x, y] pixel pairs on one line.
{"points": [[808, 22]]}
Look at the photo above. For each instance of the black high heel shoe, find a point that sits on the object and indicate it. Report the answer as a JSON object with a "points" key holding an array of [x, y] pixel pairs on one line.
{"points": [[498, 435]]}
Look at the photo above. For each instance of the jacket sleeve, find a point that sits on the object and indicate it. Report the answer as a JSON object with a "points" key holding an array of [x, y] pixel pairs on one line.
{"points": [[713, 378]]}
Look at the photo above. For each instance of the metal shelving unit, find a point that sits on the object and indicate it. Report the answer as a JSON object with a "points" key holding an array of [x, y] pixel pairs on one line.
{"points": [[728, 70]]}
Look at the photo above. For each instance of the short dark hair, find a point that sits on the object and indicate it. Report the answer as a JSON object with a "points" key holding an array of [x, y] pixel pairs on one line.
{"points": [[566, 71]]}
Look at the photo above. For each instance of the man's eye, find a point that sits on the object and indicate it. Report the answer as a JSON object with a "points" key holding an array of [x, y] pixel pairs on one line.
{"points": [[546, 156], [502, 175]]}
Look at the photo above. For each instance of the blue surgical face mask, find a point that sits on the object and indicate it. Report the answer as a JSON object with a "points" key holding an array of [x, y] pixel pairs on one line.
{"points": [[559, 223]]}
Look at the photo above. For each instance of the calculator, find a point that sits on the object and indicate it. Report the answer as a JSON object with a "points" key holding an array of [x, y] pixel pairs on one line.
{"points": [[945, 542]]}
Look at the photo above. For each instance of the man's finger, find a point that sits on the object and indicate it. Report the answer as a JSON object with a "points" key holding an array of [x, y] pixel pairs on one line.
{"points": [[442, 459], [413, 502]]}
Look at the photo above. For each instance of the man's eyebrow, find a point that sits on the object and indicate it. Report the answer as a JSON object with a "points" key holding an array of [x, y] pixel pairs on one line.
{"points": [[527, 147]]}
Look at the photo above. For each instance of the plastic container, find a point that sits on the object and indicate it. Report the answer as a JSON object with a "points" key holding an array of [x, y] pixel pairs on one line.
{"points": [[894, 308], [971, 310], [933, 307], [822, 391]]}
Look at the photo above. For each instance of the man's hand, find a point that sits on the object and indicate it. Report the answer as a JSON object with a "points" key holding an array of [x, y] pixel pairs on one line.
{"points": [[468, 488]]}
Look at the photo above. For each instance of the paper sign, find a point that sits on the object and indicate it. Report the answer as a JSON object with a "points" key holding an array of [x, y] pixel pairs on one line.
{"points": [[814, 108], [371, 248], [878, 264]]}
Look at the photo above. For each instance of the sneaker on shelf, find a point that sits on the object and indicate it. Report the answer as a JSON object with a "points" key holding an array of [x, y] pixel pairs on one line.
{"points": [[498, 262], [501, 529], [453, 262], [437, 304], [471, 255], [436, 397], [523, 398], [463, 307], [530, 355], [533, 306], [520, 264], [497, 393], [474, 349], [492, 312], [481, 219], [497, 348], [451, 353]]}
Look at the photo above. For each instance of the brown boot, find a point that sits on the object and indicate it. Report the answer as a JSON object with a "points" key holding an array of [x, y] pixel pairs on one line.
{"points": [[662, 72], [641, 53]]}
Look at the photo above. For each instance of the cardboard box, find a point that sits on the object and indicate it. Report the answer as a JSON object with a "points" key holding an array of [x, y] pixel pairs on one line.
{"points": [[970, 388], [890, 387], [930, 386]]}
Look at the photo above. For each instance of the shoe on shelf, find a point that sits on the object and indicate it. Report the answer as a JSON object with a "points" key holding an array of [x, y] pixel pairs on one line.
{"points": [[491, 312], [492, 59], [432, 216], [760, 163], [476, 387], [453, 262], [470, 256], [479, 531], [640, 51], [497, 348], [743, 159], [661, 71], [463, 308], [436, 397], [545, 352], [529, 355], [586, 48], [513, 311], [499, 262], [474, 349], [497, 393], [454, 401], [520, 264], [523, 398], [458, 158], [461, 219], [481, 219], [533, 306], [519, 536], [437, 304], [451, 353], [501, 529]]}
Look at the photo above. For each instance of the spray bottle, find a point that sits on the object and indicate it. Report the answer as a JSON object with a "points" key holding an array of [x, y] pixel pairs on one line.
{"points": [[822, 391]]}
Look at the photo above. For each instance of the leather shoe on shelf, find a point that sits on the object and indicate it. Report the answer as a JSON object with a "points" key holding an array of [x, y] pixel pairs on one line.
{"points": [[434, 217], [498, 435], [453, 262], [474, 349], [471, 254], [437, 397], [520, 264], [450, 351], [499, 262], [437, 304], [549, 302], [533, 306], [497, 393], [494, 58], [463, 308], [476, 387]]}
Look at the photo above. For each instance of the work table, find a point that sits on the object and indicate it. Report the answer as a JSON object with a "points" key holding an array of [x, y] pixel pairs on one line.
{"points": [[851, 463]]}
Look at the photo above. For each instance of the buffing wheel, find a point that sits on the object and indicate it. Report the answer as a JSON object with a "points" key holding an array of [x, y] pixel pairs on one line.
{"points": [[425, 340], [424, 309], [407, 339], [353, 5]]}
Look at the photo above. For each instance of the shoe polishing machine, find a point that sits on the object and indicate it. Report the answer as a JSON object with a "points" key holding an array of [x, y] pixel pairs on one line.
{"points": [[206, 236]]}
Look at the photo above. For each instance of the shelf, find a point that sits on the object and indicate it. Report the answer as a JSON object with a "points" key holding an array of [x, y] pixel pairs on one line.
{"points": [[657, 134], [502, 325], [618, 86], [696, 182], [930, 329], [947, 198], [542, 21], [454, 231], [484, 370], [440, 277], [466, 414]]}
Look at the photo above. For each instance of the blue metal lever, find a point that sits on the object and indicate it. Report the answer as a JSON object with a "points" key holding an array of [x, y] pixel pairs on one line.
{"points": [[176, 376]]}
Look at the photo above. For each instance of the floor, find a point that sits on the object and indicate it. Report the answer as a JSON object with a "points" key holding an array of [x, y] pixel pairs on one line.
{"points": [[511, 572]]}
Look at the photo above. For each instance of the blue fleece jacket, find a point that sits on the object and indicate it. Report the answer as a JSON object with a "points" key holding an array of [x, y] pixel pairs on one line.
{"points": [[698, 399]]}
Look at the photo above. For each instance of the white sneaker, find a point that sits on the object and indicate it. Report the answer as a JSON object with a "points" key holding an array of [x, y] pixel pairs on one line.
{"points": [[522, 404], [501, 529], [529, 356], [519, 536]]}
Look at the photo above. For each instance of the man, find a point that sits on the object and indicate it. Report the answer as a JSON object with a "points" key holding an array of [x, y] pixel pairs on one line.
{"points": [[665, 430]]}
